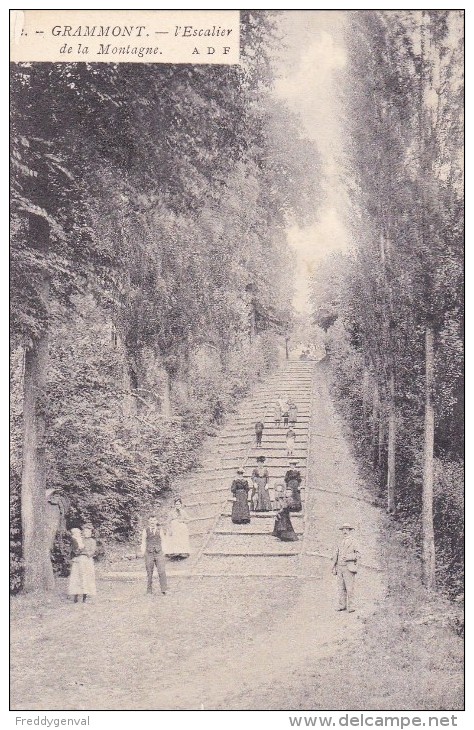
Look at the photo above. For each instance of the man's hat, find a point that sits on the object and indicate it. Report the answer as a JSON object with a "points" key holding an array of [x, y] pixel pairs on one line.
{"points": [[240, 470], [346, 526], [293, 462], [261, 459]]}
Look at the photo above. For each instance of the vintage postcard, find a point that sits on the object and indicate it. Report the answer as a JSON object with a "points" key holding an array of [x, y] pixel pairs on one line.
{"points": [[236, 367]]}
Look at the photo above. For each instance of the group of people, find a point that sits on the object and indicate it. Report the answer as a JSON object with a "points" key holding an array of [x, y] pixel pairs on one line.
{"points": [[285, 497], [287, 410], [161, 538], [169, 535], [165, 538]]}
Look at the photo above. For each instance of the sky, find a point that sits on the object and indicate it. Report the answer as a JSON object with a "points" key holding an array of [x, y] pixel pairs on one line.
{"points": [[309, 62]]}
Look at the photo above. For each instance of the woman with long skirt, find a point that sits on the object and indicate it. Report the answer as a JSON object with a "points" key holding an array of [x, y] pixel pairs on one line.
{"points": [[240, 506], [283, 528], [176, 534], [293, 481], [261, 496], [82, 576]]}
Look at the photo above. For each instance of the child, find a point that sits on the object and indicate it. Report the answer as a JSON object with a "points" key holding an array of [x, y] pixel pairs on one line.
{"points": [[290, 442], [278, 493]]}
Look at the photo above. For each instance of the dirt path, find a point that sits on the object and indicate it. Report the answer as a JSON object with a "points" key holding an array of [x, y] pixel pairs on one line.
{"points": [[271, 643]]}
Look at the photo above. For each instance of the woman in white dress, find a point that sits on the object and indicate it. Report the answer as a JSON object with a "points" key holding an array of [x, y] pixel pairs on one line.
{"points": [[176, 535], [82, 576]]}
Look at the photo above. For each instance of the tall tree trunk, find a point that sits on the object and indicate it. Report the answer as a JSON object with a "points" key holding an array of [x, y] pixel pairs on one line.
{"points": [[381, 439], [38, 570], [365, 397], [427, 120], [287, 353], [376, 424], [429, 555], [391, 446]]}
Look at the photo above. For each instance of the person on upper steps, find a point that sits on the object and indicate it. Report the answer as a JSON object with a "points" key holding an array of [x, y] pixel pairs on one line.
{"points": [[290, 442], [277, 414], [259, 426], [292, 413]]}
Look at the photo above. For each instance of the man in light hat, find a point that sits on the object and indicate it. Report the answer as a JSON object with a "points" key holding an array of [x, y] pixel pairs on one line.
{"points": [[344, 561]]}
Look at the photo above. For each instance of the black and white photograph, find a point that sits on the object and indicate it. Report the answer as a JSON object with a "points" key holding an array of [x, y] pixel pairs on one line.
{"points": [[237, 361]]}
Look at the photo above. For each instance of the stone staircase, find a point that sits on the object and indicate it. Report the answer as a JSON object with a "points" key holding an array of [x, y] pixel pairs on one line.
{"points": [[220, 547]]}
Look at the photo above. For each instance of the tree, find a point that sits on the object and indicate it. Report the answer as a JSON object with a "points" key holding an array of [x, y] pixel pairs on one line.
{"points": [[402, 287]]}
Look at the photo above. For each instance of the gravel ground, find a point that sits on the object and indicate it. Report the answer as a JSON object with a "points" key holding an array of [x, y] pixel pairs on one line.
{"points": [[253, 643]]}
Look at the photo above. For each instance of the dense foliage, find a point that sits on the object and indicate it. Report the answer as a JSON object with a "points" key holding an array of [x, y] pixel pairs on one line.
{"points": [[148, 253]]}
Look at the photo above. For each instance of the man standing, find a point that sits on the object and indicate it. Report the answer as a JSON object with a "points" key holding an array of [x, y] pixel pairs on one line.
{"points": [[345, 560], [152, 550]]}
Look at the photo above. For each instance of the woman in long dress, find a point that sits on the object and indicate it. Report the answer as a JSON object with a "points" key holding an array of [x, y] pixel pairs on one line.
{"points": [[283, 528], [82, 576], [240, 506], [293, 481], [261, 496], [176, 533]]}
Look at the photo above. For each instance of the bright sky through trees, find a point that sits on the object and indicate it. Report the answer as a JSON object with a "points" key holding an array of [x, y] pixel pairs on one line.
{"points": [[311, 56]]}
